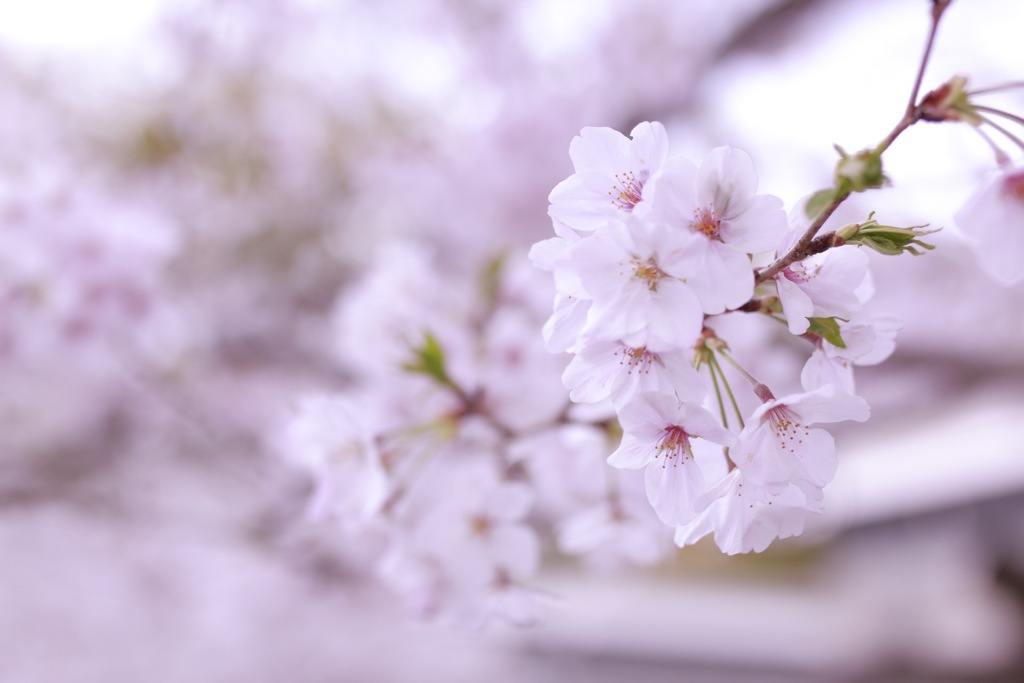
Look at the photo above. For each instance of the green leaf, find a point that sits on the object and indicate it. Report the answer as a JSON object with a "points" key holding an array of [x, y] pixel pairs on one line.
{"points": [[827, 329], [428, 359], [819, 200], [491, 281]]}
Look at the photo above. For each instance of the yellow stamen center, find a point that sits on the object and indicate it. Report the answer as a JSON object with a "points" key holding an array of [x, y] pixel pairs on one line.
{"points": [[706, 222], [627, 190]]}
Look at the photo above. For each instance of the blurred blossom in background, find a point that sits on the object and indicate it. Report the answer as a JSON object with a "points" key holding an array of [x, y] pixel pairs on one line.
{"points": [[210, 209]]}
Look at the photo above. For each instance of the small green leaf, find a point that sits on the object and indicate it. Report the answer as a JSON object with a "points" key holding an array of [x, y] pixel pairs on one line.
{"points": [[428, 359], [491, 280], [819, 200], [827, 329]]}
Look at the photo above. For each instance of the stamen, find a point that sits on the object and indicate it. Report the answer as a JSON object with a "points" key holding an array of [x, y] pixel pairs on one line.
{"points": [[648, 271], [789, 433], [638, 358], [675, 446], [800, 273], [627, 190], [705, 221]]}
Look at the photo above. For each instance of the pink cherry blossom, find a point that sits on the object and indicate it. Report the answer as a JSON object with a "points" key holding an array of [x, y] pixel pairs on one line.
{"points": [[479, 535], [745, 516], [618, 529], [867, 342], [823, 286], [779, 445], [331, 436], [992, 219], [612, 370], [611, 172], [635, 274], [719, 204], [657, 434]]}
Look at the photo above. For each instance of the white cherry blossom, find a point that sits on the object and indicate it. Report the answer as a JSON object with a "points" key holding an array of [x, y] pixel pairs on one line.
{"points": [[611, 172], [719, 203], [612, 370], [992, 219], [779, 445], [635, 275], [745, 516], [331, 436], [823, 286], [564, 326], [867, 342], [618, 529], [479, 536], [657, 434]]}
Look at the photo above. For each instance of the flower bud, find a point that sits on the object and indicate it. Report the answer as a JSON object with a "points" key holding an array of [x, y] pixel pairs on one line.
{"points": [[949, 102], [862, 171], [886, 239]]}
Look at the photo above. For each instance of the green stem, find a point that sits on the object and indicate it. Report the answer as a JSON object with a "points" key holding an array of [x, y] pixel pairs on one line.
{"points": [[1011, 85], [718, 389], [728, 390], [746, 375], [999, 112], [1013, 138]]}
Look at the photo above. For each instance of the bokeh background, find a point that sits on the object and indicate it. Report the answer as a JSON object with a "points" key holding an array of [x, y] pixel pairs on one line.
{"points": [[187, 189]]}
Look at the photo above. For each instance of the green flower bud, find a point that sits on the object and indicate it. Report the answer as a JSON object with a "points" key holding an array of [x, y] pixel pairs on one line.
{"points": [[862, 171], [950, 102], [886, 239]]}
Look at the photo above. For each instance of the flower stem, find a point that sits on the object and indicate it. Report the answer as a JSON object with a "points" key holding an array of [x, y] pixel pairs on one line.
{"points": [[728, 389], [1002, 158], [718, 390], [739, 368], [802, 248], [1013, 138], [807, 245], [1000, 112], [1010, 85], [938, 8]]}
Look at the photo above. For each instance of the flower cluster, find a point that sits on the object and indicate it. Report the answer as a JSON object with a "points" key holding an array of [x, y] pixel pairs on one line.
{"points": [[81, 305], [451, 455], [650, 250]]}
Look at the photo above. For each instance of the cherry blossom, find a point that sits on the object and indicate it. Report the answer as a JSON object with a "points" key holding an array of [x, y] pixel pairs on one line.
{"points": [[635, 274], [865, 342], [565, 465], [479, 536], [612, 370], [611, 172], [823, 286], [719, 204], [618, 529], [745, 516], [332, 437], [572, 303], [779, 445], [992, 219], [657, 434]]}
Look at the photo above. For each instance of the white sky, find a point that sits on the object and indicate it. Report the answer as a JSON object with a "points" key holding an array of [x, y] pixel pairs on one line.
{"points": [[107, 25]]}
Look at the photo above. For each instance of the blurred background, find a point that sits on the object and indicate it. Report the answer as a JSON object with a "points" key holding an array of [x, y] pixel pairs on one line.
{"points": [[188, 188]]}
